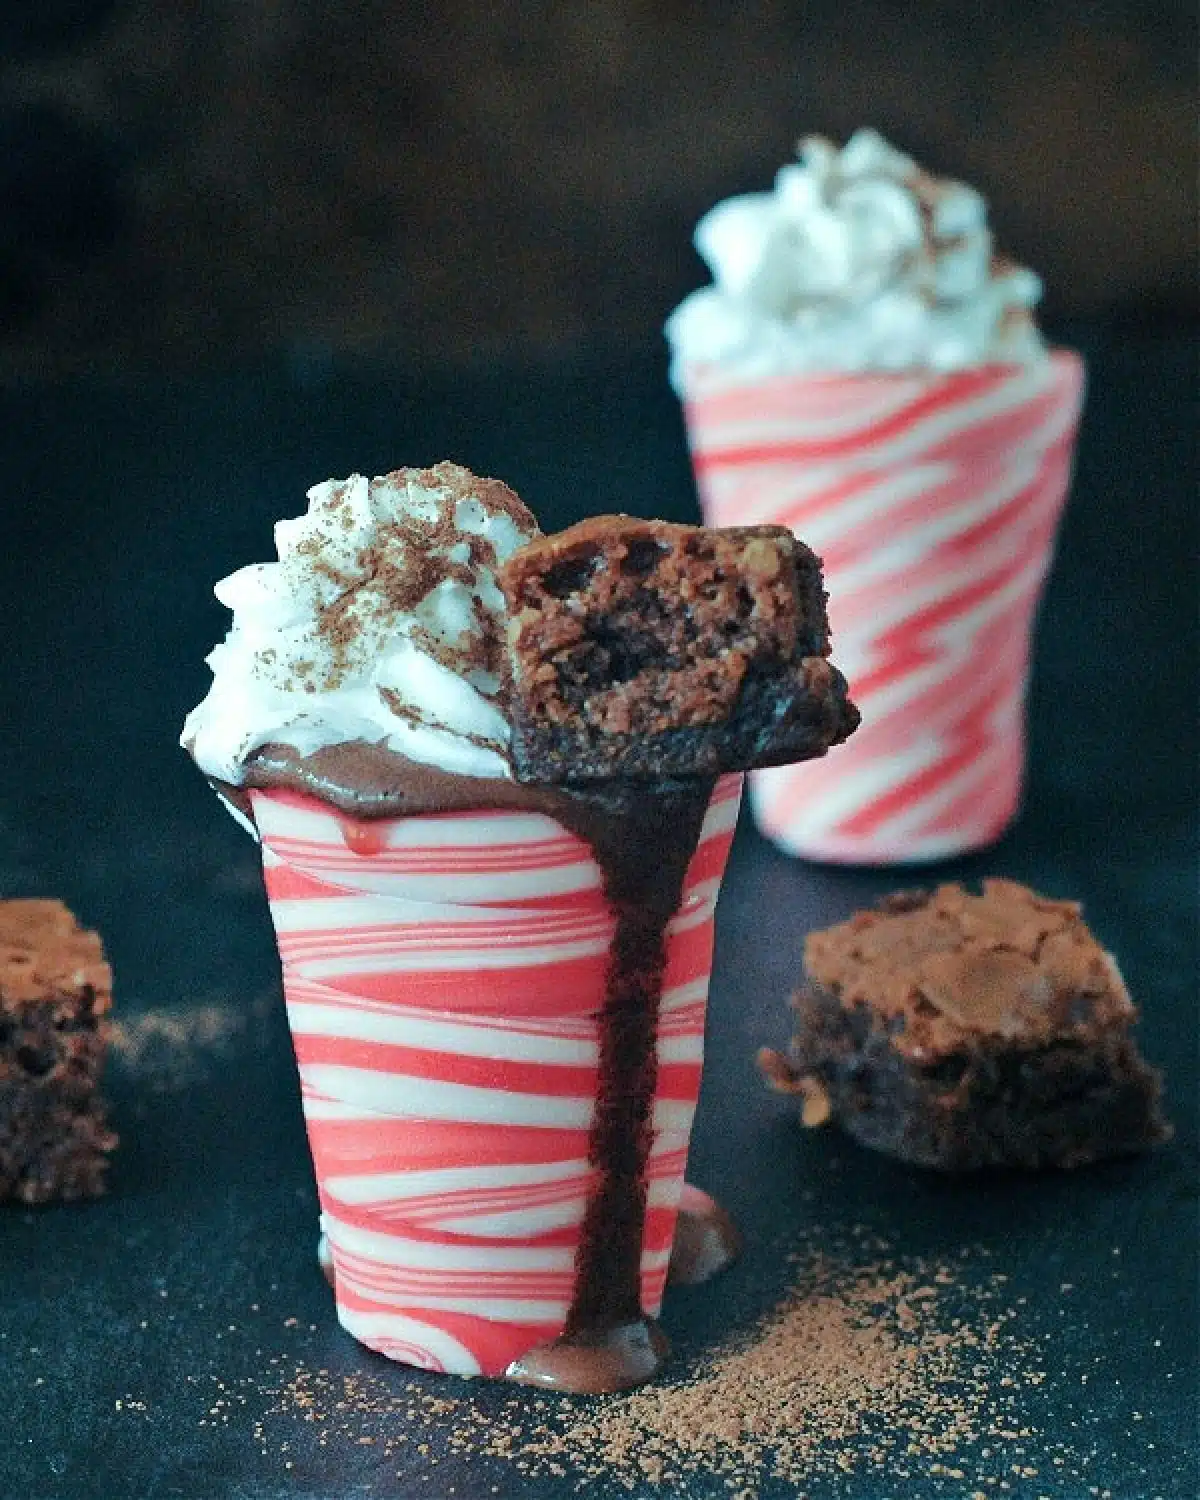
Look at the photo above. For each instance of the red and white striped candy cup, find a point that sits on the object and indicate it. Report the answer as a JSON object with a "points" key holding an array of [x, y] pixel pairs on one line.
{"points": [[443, 976], [933, 501]]}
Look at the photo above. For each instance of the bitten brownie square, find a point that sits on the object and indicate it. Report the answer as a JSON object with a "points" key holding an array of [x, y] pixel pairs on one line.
{"points": [[644, 649], [55, 993], [957, 1031]]}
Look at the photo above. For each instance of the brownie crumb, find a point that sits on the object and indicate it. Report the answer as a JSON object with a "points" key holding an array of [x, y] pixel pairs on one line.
{"points": [[816, 1107], [55, 994], [960, 1031], [641, 648]]}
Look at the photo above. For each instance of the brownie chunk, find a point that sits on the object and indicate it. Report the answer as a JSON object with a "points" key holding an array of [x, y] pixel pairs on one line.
{"points": [[644, 649], [958, 1031], [55, 993]]}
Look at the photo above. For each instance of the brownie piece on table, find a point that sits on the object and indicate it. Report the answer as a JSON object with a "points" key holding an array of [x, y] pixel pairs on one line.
{"points": [[55, 993], [957, 1031], [641, 648]]}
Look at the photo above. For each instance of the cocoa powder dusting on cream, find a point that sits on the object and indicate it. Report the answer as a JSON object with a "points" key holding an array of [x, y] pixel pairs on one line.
{"points": [[404, 563]]}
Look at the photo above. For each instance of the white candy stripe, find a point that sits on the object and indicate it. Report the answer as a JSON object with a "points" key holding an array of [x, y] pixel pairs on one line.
{"points": [[512, 1309], [522, 932], [355, 1007], [425, 1344], [545, 854], [430, 1099], [295, 819], [526, 1219], [467, 956], [459, 887], [464, 1183], [683, 995], [342, 913], [699, 902], [418, 1255], [722, 811], [686, 1048], [406, 1029]]}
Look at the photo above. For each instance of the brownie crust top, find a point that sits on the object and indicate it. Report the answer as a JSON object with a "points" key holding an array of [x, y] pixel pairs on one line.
{"points": [[944, 968], [45, 952]]}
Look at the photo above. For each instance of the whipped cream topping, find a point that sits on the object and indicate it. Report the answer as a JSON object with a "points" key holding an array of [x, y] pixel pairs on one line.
{"points": [[381, 621], [857, 261]]}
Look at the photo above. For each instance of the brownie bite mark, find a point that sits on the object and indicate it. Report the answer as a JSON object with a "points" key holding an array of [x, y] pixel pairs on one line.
{"points": [[642, 648], [958, 1031], [55, 994]]}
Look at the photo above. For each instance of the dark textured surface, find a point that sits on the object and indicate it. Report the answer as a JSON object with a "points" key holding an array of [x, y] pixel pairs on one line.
{"points": [[122, 1320]]}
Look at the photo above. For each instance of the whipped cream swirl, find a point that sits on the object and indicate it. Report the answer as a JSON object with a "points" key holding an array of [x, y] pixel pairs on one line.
{"points": [[381, 621], [857, 261]]}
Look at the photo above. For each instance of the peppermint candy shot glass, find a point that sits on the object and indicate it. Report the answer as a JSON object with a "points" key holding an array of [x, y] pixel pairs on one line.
{"points": [[934, 502], [446, 977]]}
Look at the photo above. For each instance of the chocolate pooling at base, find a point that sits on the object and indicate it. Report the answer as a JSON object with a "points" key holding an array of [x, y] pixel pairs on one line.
{"points": [[642, 837]]}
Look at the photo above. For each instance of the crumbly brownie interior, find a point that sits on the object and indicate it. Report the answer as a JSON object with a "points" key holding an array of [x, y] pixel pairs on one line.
{"points": [[958, 1031], [646, 648], [55, 993]]}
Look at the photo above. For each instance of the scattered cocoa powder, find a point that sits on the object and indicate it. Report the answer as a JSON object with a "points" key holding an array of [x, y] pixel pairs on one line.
{"points": [[869, 1365], [172, 1048], [858, 1370]]}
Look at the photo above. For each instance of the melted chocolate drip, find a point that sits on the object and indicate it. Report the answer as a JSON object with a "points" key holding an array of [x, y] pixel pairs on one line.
{"points": [[608, 1343], [361, 838], [612, 1358], [706, 1240]]}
